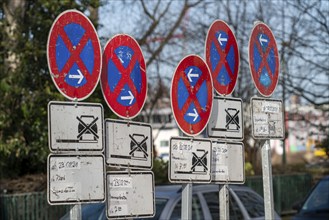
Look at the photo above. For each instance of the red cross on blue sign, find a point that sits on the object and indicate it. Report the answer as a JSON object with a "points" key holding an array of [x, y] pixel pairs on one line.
{"points": [[263, 59], [192, 95], [74, 55], [123, 80], [222, 57]]}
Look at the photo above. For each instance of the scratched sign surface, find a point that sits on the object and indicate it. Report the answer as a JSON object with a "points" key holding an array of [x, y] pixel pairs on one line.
{"points": [[128, 144], [192, 95], [130, 195], [123, 78], [264, 59], [227, 162], [222, 57], [190, 160], [267, 118], [74, 55], [75, 126], [74, 179]]}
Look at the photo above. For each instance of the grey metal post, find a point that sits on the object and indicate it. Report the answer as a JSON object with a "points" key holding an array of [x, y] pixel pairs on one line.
{"points": [[224, 202], [75, 212], [267, 180], [186, 201]]}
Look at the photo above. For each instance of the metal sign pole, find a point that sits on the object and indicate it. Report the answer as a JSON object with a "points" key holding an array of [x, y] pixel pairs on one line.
{"points": [[75, 212], [186, 201], [223, 202], [267, 180]]}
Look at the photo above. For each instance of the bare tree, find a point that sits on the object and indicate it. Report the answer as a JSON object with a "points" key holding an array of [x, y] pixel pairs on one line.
{"points": [[170, 30]]}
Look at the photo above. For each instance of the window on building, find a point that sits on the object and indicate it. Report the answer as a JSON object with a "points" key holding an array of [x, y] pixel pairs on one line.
{"points": [[164, 143]]}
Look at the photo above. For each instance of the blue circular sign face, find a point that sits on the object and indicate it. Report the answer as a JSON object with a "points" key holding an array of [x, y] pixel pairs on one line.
{"points": [[74, 55], [192, 95], [123, 80], [222, 57], [264, 59]]}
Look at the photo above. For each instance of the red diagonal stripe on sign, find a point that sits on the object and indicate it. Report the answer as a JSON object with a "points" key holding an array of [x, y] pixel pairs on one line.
{"points": [[192, 93], [264, 59], [74, 53], [125, 73], [223, 56]]}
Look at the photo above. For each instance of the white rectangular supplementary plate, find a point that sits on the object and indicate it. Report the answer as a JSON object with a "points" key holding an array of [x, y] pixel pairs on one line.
{"points": [[189, 160], [226, 119], [267, 118], [75, 126], [75, 178], [128, 144], [130, 195], [227, 163]]}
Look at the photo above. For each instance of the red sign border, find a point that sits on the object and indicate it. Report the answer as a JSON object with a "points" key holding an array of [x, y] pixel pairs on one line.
{"points": [[258, 27], [126, 112], [179, 71], [71, 92], [215, 26]]}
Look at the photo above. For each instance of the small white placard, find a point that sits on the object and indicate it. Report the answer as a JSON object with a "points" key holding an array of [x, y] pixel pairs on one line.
{"points": [[226, 119], [267, 118], [189, 160], [228, 162], [130, 195], [74, 179], [75, 126], [128, 144]]}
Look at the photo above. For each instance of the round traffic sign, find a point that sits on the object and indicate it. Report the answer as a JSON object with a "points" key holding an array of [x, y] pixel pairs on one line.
{"points": [[74, 55], [263, 59], [123, 79], [222, 57], [192, 95]]}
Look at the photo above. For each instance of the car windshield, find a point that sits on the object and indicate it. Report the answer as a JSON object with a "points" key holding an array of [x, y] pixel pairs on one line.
{"points": [[253, 203], [318, 199], [160, 203]]}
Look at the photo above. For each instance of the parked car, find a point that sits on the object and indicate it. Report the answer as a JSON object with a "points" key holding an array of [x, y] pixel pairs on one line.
{"points": [[316, 203], [244, 204]]}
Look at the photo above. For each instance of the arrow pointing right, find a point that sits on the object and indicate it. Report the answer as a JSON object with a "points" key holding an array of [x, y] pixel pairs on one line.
{"points": [[129, 97], [193, 114], [79, 76]]}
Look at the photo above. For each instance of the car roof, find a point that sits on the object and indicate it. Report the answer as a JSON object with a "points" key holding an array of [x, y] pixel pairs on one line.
{"points": [[174, 190], [325, 178]]}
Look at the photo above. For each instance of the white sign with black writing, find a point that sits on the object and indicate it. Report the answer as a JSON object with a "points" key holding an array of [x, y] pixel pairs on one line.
{"points": [[128, 144], [74, 178], [267, 118], [189, 160], [130, 195], [226, 119], [227, 162], [75, 126]]}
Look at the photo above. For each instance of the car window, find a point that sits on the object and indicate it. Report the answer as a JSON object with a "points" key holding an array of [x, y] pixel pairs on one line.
{"points": [[319, 198], [252, 202], [159, 206], [197, 213], [213, 205], [235, 212]]}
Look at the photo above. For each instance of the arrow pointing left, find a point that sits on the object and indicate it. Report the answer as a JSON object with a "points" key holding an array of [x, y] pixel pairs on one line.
{"points": [[261, 39], [191, 75], [220, 39], [129, 97], [79, 76]]}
